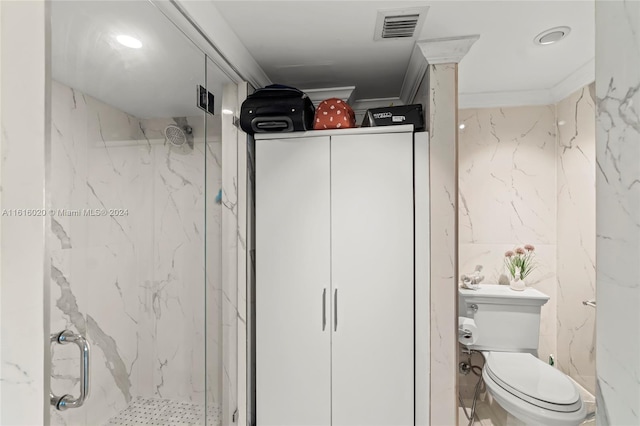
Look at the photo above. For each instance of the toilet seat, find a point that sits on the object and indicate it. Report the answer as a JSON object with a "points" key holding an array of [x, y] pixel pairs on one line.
{"points": [[532, 380], [532, 390]]}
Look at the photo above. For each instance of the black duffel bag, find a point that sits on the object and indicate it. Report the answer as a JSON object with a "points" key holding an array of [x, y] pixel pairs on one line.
{"points": [[277, 108]]}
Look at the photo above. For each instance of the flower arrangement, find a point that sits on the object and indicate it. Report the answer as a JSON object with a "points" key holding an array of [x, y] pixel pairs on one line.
{"points": [[520, 261]]}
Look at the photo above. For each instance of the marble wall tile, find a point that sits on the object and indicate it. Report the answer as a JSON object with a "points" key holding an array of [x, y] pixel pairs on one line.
{"points": [[442, 118], [178, 287], [507, 175], [134, 284], [519, 158], [23, 133], [543, 278], [96, 258], [618, 212], [507, 197], [576, 168]]}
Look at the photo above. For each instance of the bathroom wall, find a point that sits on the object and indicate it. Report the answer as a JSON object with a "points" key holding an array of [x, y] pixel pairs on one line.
{"points": [[507, 197], [524, 179], [618, 211], [134, 284], [576, 243], [23, 288]]}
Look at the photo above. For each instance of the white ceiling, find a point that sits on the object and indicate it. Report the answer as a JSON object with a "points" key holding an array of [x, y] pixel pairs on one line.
{"points": [[312, 44], [156, 81], [316, 44]]}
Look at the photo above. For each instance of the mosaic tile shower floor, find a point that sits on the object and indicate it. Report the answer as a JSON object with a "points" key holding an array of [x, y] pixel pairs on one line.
{"points": [[165, 412]]}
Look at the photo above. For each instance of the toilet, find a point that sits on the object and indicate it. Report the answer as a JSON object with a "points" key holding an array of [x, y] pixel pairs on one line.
{"points": [[508, 327]]}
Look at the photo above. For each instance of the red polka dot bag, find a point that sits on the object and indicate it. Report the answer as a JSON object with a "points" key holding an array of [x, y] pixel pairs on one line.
{"points": [[334, 113]]}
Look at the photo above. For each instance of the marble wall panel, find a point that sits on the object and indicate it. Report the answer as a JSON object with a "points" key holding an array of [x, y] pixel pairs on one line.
{"points": [[96, 263], [518, 167], [576, 169], [507, 197], [618, 212], [543, 278], [507, 175], [133, 283], [24, 129], [178, 279]]}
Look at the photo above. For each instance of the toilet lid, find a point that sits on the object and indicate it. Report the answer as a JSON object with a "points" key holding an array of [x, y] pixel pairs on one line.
{"points": [[532, 380]]}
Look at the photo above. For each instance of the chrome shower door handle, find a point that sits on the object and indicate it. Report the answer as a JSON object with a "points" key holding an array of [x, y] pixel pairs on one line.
{"points": [[324, 309], [67, 401]]}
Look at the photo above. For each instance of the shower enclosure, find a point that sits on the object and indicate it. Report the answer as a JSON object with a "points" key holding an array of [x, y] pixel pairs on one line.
{"points": [[136, 211]]}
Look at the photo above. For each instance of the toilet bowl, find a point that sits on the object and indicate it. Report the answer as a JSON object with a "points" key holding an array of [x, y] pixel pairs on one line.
{"points": [[531, 390], [507, 329]]}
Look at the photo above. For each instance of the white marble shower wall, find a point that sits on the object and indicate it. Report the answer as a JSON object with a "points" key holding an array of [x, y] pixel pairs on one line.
{"points": [[134, 283], [526, 180]]}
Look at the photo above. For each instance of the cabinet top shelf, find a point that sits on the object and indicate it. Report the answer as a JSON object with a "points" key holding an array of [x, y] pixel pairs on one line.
{"points": [[405, 128]]}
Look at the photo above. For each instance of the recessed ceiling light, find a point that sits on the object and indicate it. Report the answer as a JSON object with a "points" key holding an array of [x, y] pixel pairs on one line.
{"points": [[129, 41], [552, 35], [462, 126], [227, 111], [561, 123]]}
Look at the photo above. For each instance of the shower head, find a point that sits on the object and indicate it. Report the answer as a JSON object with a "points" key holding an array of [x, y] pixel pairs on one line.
{"points": [[175, 135]]}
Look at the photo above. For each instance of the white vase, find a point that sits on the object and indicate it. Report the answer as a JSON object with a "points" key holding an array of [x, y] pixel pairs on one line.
{"points": [[517, 284]]}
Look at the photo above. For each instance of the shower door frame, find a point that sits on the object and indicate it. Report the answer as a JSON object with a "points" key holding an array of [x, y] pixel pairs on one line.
{"points": [[232, 202], [236, 353]]}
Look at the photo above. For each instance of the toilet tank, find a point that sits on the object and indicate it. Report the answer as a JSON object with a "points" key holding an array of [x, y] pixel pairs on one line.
{"points": [[507, 320]]}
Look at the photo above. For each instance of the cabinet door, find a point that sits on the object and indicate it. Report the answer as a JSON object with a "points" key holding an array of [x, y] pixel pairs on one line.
{"points": [[292, 276], [372, 273]]}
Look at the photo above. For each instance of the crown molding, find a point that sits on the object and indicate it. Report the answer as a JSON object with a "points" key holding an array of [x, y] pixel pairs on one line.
{"points": [[504, 99], [318, 95], [432, 52], [448, 50], [413, 77], [582, 76]]}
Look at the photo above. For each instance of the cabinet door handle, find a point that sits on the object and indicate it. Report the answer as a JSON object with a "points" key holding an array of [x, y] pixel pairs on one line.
{"points": [[335, 310], [324, 309]]}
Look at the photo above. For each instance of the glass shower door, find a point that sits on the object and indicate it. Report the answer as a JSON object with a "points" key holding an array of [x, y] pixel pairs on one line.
{"points": [[134, 175]]}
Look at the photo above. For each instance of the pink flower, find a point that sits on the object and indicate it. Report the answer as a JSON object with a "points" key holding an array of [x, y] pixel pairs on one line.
{"points": [[520, 262]]}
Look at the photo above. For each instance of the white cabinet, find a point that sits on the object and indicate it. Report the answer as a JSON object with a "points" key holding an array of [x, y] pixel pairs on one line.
{"points": [[335, 280]]}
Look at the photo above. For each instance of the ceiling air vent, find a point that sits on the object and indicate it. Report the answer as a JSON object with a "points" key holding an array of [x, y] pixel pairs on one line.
{"points": [[399, 26], [400, 23]]}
